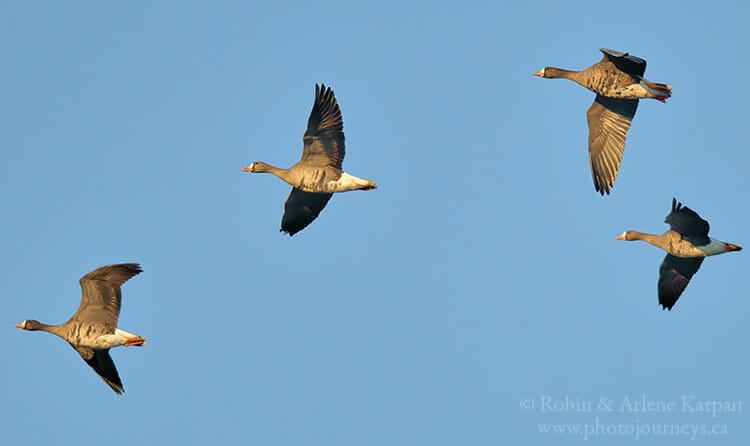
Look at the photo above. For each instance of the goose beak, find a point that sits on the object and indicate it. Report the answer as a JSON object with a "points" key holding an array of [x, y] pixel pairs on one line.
{"points": [[247, 169], [18, 325], [538, 73], [732, 247], [620, 237]]}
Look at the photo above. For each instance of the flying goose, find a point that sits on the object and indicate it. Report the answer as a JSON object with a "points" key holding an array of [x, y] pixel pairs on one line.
{"points": [[92, 330], [318, 174], [687, 243], [618, 83]]}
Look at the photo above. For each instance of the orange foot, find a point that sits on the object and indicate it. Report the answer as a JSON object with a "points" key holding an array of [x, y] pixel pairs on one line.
{"points": [[661, 98], [134, 341]]}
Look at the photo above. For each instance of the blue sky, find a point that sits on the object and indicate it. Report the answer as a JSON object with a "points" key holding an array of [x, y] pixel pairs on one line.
{"points": [[482, 273]]}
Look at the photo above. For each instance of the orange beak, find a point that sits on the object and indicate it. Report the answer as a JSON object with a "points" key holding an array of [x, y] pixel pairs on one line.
{"points": [[731, 247], [538, 73], [620, 237], [18, 325], [247, 169]]}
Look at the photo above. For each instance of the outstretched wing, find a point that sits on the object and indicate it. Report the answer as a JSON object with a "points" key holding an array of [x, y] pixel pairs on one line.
{"points": [[102, 363], [625, 62], [686, 222], [609, 120], [100, 302], [674, 275], [324, 138], [301, 208]]}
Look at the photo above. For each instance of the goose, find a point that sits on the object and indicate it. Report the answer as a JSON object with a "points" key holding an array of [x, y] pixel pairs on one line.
{"points": [[92, 330], [618, 83], [318, 175], [686, 243]]}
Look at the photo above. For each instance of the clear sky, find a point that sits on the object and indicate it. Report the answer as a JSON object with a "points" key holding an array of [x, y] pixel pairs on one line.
{"points": [[460, 303]]}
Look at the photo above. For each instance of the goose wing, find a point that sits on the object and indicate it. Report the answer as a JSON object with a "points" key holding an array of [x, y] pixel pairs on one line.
{"points": [[100, 302], [674, 275], [609, 120], [102, 363], [686, 222], [301, 208], [324, 138], [625, 62]]}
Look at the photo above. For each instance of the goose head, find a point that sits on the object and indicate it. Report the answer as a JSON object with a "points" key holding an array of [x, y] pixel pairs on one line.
{"points": [[627, 235], [29, 324], [251, 167], [553, 73], [258, 166]]}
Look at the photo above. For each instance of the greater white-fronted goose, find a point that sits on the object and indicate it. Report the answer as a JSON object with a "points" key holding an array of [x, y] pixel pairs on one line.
{"points": [[687, 243], [92, 330], [319, 173], [618, 83]]}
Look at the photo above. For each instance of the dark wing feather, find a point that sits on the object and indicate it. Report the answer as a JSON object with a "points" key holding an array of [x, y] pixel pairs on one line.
{"points": [[686, 222], [324, 138], [674, 275], [301, 208], [625, 62], [609, 120], [100, 302], [102, 363]]}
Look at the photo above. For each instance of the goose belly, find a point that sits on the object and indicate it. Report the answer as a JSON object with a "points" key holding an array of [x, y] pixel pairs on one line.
{"points": [[674, 244], [318, 180], [638, 90], [683, 248], [631, 91], [105, 341], [323, 181], [346, 183]]}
